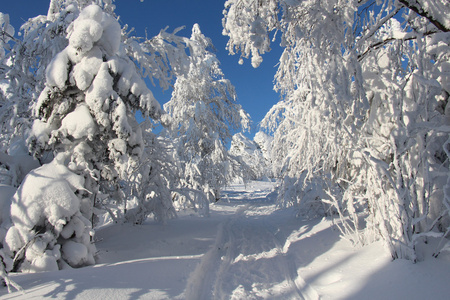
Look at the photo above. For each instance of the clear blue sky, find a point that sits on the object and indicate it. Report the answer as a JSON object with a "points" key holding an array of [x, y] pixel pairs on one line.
{"points": [[254, 86]]}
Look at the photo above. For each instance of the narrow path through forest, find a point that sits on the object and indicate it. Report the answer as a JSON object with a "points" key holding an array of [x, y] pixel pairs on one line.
{"points": [[248, 259]]}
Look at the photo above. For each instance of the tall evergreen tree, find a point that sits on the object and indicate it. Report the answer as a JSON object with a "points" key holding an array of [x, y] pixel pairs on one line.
{"points": [[203, 108], [87, 108]]}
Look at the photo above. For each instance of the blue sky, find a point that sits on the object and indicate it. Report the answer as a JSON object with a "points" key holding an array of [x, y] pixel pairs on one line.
{"points": [[254, 87]]}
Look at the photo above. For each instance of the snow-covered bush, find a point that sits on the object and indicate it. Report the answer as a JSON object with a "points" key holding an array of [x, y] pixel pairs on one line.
{"points": [[49, 229], [364, 111]]}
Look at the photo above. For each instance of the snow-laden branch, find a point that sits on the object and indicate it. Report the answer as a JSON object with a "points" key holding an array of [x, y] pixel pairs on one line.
{"points": [[437, 13], [402, 37]]}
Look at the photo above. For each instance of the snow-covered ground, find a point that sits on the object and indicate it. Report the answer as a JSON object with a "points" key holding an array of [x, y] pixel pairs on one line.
{"points": [[246, 249]]}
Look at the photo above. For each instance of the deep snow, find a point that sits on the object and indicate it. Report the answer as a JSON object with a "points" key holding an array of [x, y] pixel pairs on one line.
{"points": [[246, 249]]}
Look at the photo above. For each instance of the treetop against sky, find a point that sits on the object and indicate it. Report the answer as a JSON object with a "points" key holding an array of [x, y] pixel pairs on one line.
{"points": [[254, 87]]}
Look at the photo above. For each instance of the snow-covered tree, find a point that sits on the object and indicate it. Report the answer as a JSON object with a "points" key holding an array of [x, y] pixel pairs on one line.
{"points": [[41, 39], [23, 75], [151, 183], [7, 34], [365, 87], [113, 161], [203, 108], [87, 108], [264, 142], [15, 162], [252, 157]]}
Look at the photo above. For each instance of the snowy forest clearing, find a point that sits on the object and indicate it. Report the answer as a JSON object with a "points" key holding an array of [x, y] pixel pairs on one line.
{"points": [[247, 249]]}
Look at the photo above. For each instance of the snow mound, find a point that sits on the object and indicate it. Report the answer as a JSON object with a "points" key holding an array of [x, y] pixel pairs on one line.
{"points": [[74, 252]]}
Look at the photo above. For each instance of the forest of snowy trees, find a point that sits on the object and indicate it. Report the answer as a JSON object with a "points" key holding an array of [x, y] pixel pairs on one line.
{"points": [[362, 129], [361, 132], [71, 144]]}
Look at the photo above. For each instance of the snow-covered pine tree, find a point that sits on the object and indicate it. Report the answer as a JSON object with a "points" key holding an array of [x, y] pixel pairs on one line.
{"points": [[87, 109], [35, 219], [364, 114], [203, 108], [41, 38], [250, 154], [107, 147], [23, 77], [264, 142], [51, 227]]}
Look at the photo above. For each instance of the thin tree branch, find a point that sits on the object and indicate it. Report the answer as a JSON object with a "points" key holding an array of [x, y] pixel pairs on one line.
{"points": [[377, 26], [388, 40]]}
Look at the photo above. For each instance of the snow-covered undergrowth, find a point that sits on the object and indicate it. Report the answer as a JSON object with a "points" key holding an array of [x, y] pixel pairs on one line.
{"points": [[48, 226], [247, 249]]}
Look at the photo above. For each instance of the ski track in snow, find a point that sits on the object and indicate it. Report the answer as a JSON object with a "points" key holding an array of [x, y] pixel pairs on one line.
{"points": [[252, 263], [247, 260]]}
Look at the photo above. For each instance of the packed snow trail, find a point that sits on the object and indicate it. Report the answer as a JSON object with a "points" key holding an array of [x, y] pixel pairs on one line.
{"points": [[247, 261], [247, 249]]}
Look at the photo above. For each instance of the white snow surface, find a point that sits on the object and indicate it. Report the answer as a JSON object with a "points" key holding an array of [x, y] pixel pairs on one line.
{"points": [[246, 249]]}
